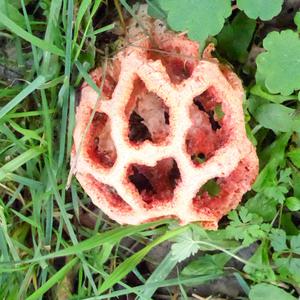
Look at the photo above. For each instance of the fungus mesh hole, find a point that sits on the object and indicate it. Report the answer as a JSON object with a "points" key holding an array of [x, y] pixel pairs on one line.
{"points": [[207, 193], [222, 194], [178, 67], [100, 146], [148, 116], [206, 134], [155, 184]]}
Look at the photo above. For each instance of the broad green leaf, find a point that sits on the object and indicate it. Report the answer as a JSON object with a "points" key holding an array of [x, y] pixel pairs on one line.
{"points": [[288, 225], [288, 267], [200, 19], [257, 90], [294, 267], [260, 258], [297, 20], [207, 264], [277, 117], [276, 192], [266, 183], [294, 155], [295, 244], [279, 66], [195, 239], [285, 175], [278, 239], [296, 183], [235, 38], [292, 203], [185, 246], [276, 150], [264, 291], [263, 9], [262, 206]]}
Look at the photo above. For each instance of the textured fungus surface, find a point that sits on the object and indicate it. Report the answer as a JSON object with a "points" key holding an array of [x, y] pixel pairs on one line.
{"points": [[167, 123]]}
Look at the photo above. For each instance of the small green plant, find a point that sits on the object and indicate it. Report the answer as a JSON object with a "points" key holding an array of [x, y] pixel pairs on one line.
{"points": [[205, 18]]}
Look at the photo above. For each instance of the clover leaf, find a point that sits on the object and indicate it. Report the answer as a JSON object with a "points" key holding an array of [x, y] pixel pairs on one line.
{"points": [[263, 9], [199, 18], [279, 66]]}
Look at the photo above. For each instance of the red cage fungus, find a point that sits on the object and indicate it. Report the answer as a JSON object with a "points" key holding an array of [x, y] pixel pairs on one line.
{"points": [[167, 123]]}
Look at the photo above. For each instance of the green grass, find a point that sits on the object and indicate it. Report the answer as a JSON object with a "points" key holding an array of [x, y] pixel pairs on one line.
{"points": [[46, 250]]}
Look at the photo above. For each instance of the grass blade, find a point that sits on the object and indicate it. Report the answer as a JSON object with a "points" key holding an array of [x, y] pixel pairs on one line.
{"points": [[81, 12], [110, 236], [19, 31], [65, 90], [130, 263], [194, 281], [160, 273], [53, 280], [25, 181], [87, 77], [102, 29], [23, 94], [19, 161]]}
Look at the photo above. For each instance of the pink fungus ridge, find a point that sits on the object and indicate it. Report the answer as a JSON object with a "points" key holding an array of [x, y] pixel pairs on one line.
{"points": [[166, 123]]}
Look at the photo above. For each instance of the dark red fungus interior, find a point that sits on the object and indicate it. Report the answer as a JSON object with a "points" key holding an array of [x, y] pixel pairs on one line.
{"points": [[101, 148], [148, 116], [108, 86], [205, 135], [215, 195], [138, 131], [155, 183], [111, 195], [178, 67]]}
